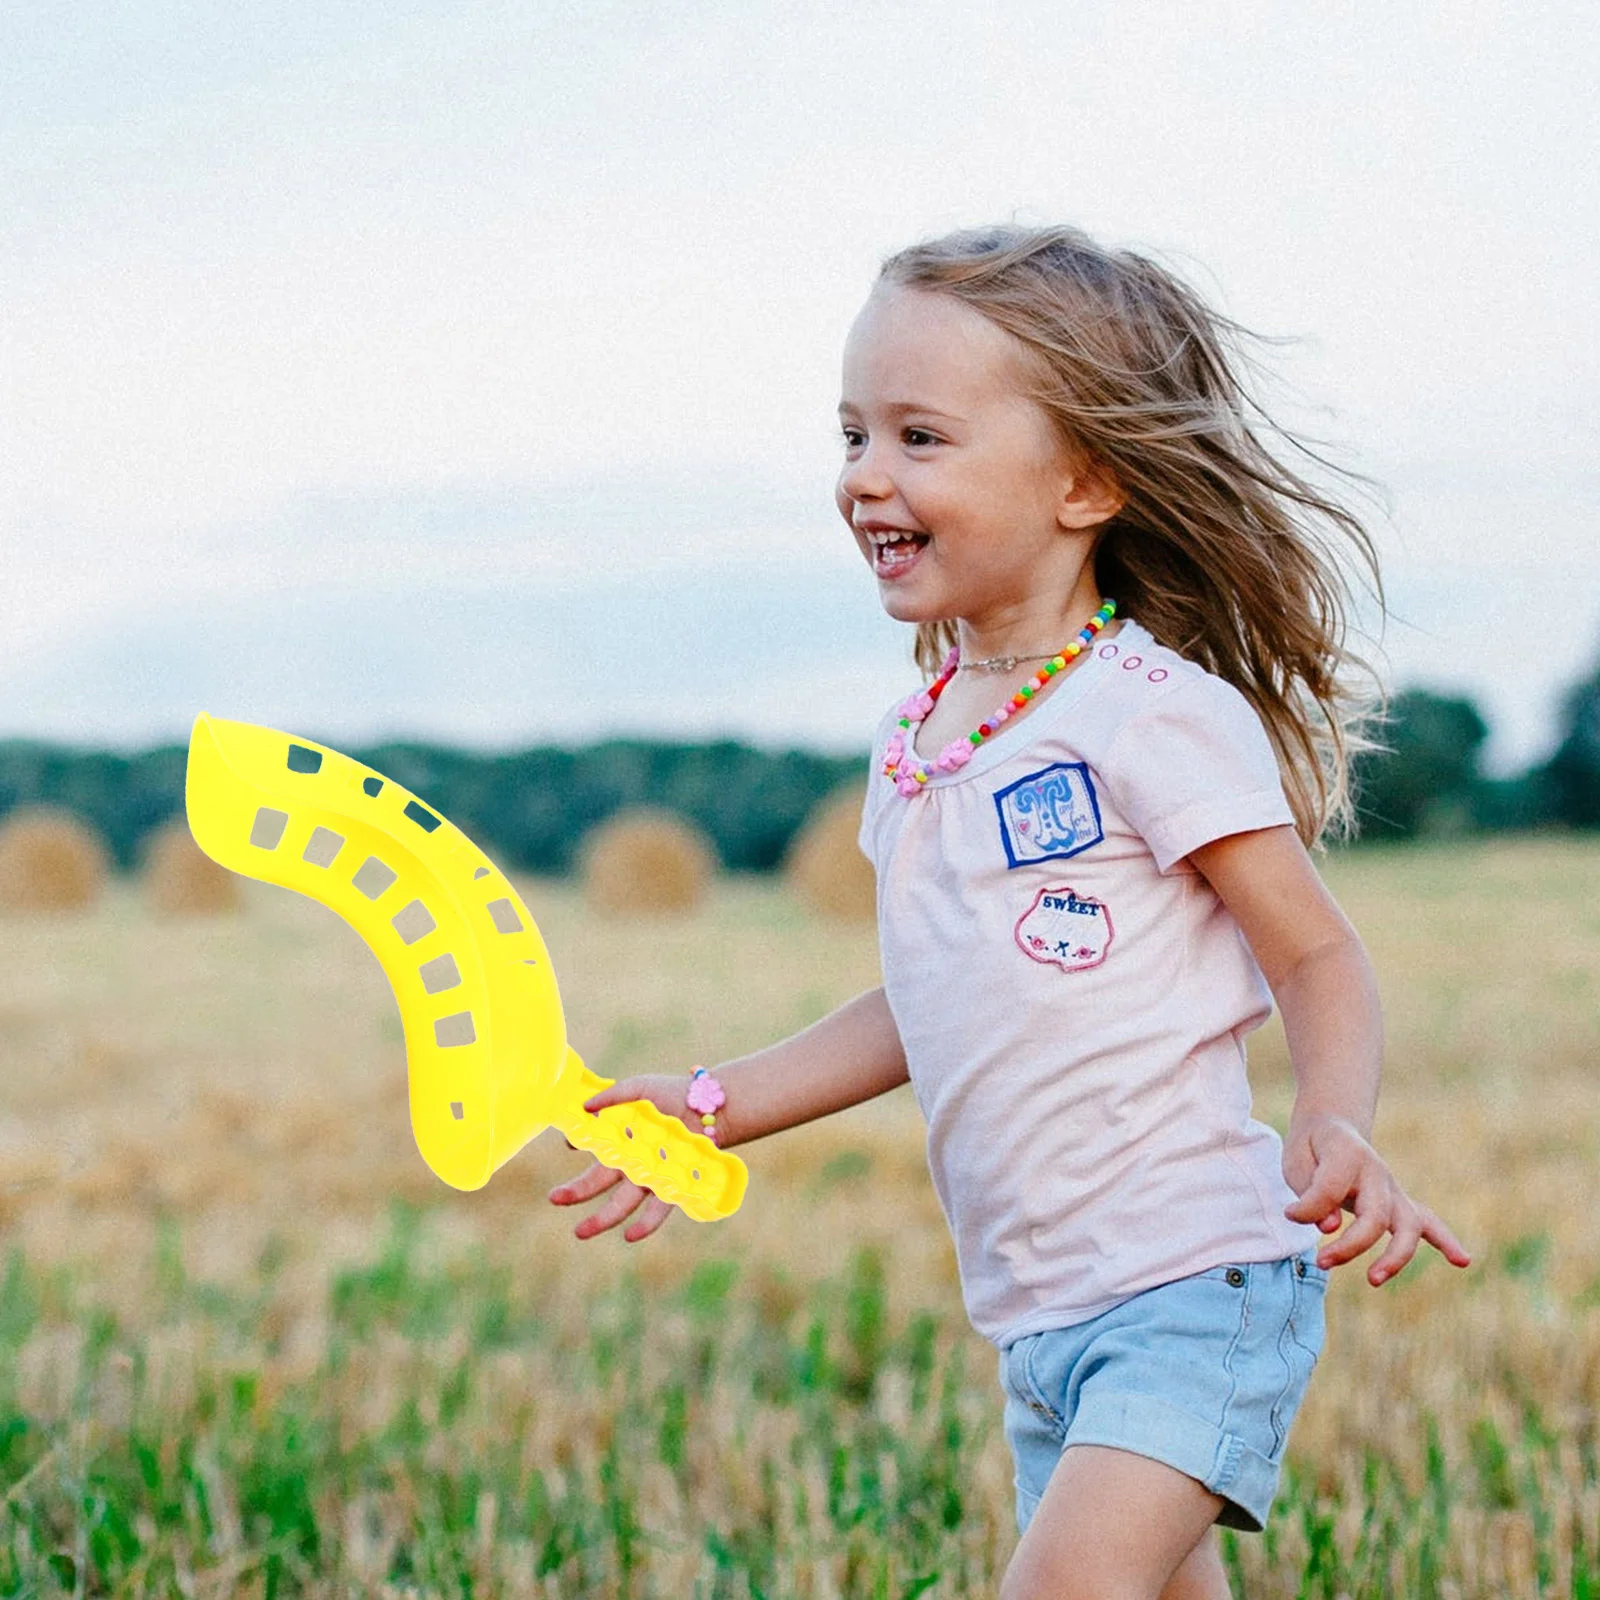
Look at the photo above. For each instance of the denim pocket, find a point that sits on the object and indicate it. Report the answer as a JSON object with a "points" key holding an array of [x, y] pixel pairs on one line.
{"points": [[1037, 1391], [1300, 1343], [1306, 1315]]}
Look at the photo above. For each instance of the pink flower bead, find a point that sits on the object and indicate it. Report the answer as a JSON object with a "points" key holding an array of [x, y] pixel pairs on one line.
{"points": [[705, 1096], [955, 755], [893, 751], [907, 785], [917, 706]]}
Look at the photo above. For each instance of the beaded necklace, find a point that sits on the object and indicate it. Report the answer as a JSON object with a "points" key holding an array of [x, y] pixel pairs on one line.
{"points": [[909, 775]]}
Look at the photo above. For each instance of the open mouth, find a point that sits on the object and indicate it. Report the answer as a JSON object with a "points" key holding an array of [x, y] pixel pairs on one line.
{"points": [[894, 549]]}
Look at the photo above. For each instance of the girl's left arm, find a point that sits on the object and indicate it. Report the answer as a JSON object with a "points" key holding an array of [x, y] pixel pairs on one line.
{"points": [[1323, 982]]}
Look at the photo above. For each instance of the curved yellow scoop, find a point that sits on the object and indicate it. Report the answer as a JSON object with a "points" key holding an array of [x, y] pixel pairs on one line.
{"points": [[486, 1042]]}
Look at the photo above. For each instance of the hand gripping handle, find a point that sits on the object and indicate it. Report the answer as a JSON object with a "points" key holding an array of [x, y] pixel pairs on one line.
{"points": [[657, 1151]]}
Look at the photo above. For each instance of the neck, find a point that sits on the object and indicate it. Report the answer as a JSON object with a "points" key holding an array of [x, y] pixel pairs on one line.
{"points": [[1031, 631]]}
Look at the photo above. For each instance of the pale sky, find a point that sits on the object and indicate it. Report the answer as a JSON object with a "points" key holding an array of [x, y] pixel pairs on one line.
{"points": [[469, 370]]}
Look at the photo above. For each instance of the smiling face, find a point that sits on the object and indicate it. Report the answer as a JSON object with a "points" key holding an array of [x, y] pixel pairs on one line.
{"points": [[960, 493]]}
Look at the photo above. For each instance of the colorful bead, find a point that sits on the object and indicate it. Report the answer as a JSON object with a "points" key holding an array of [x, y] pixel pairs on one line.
{"points": [[910, 778], [705, 1096]]}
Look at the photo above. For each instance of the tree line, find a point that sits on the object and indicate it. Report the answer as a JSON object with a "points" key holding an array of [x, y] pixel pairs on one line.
{"points": [[1426, 778], [531, 809]]}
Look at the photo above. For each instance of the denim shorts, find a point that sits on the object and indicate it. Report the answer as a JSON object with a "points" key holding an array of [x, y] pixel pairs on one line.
{"points": [[1204, 1374]]}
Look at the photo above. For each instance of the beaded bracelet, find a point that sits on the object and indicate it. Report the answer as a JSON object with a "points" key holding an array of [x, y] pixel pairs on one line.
{"points": [[705, 1096]]}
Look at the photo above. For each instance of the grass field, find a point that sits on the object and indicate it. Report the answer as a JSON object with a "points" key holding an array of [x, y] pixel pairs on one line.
{"points": [[248, 1345]]}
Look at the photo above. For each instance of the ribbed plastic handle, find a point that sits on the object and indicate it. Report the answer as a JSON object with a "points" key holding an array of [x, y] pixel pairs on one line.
{"points": [[656, 1150]]}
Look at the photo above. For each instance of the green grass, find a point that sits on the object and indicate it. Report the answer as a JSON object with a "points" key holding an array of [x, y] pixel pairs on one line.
{"points": [[401, 1456], [738, 1437]]}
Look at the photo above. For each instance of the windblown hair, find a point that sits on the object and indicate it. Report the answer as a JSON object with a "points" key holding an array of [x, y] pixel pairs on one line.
{"points": [[1222, 551]]}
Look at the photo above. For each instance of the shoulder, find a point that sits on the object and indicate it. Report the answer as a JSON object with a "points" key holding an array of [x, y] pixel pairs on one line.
{"points": [[887, 723], [874, 807], [1149, 683], [1189, 759]]}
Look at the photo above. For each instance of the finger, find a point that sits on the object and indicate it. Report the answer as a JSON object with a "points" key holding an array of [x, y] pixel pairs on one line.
{"points": [[621, 1204], [1402, 1246], [1333, 1221], [655, 1212], [616, 1094], [592, 1181], [1365, 1230], [1438, 1234], [1324, 1195]]}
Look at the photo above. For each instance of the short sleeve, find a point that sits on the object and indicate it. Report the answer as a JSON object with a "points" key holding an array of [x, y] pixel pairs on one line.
{"points": [[878, 792], [1196, 766], [865, 838]]}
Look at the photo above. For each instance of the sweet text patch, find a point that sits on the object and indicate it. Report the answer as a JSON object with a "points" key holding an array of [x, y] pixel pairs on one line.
{"points": [[1065, 929]]}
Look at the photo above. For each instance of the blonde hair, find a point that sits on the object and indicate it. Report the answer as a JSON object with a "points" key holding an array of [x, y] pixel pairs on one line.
{"points": [[1223, 552]]}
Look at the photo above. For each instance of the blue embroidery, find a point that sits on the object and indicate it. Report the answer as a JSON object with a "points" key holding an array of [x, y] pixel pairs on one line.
{"points": [[1049, 814]]}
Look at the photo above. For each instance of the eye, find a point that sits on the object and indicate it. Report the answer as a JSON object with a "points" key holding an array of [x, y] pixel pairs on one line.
{"points": [[919, 438], [854, 438]]}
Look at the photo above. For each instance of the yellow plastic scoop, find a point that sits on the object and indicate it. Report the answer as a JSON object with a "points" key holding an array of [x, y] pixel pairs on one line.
{"points": [[486, 1042]]}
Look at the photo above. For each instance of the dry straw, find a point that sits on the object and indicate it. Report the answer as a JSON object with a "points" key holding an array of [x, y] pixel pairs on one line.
{"points": [[647, 860], [180, 880], [826, 867], [49, 861]]}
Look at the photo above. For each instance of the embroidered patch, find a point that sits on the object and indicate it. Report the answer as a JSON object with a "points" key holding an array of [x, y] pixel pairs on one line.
{"points": [[1049, 814], [1074, 932]]}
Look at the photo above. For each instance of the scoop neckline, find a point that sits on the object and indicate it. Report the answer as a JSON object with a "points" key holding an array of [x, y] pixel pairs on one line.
{"points": [[1063, 694]]}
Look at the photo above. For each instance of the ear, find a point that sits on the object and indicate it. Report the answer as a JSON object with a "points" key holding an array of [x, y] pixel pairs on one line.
{"points": [[1090, 496]]}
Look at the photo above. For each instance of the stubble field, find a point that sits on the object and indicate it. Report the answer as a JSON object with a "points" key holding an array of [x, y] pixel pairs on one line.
{"points": [[249, 1345]]}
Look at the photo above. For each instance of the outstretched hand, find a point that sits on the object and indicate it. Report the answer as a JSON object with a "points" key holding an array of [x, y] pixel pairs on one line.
{"points": [[666, 1093], [1334, 1169]]}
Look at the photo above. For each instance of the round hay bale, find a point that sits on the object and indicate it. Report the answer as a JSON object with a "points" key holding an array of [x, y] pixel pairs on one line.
{"points": [[181, 880], [49, 861], [647, 860], [825, 866]]}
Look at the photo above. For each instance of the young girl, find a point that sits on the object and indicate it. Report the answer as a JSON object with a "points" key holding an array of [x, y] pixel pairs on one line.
{"points": [[1090, 833]]}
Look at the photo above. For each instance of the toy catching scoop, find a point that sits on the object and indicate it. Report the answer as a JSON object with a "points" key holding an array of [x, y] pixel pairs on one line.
{"points": [[486, 1042]]}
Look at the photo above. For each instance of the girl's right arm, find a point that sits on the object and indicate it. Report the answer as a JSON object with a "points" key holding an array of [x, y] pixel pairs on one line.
{"points": [[851, 1055]]}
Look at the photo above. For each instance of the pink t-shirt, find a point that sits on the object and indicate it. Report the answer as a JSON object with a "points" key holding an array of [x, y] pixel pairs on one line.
{"points": [[1073, 997]]}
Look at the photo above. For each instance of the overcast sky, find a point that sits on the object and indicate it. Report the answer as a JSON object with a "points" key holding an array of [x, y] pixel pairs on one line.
{"points": [[469, 370]]}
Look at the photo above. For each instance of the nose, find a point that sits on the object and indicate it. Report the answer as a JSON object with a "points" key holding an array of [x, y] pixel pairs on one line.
{"points": [[863, 477]]}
